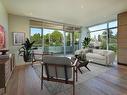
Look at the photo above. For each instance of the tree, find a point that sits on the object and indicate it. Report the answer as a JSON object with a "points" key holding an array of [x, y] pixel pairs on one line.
{"points": [[47, 39], [76, 37], [68, 39], [37, 38], [56, 38]]}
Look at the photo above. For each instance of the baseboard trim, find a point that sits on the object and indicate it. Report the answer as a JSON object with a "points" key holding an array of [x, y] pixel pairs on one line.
{"points": [[125, 64]]}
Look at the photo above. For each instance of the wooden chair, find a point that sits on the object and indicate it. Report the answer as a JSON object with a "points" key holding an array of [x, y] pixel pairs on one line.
{"points": [[59, 69]]}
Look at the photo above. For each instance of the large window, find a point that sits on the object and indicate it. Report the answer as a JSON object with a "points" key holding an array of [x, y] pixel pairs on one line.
{"points": [[76, 40], [104, 36], [113, 39], [36, 35], [99, 39], [53, 41], [56, 41]]}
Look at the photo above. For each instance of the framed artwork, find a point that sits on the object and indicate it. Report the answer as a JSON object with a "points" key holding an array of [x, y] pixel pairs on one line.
{"points": [[2, 37], [18, 38]]}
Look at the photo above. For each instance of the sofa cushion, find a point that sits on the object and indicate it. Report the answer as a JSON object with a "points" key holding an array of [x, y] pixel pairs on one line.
{"points": [[99, 51], [95, 56]]}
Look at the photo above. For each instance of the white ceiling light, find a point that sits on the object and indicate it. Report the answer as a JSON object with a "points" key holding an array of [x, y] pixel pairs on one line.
{"points": [[82, 6]]}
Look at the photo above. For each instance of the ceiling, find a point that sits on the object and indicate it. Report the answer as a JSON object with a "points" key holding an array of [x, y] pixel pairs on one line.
{"points": [[77, 12]]}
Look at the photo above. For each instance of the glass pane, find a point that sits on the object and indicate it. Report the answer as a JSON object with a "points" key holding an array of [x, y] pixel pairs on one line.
{"points": [[76, 40], [113, 39], [69, 43], [53, 41], [36, 36], [99, 39], [98, 27], [113, 24]]}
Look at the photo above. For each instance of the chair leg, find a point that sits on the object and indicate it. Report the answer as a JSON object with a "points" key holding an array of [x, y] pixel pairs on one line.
{"points": [[42, 78], [76, 74], [5, 90], [73, 81], [73, 89], [80, 70], [41, 84], [87, 68]]}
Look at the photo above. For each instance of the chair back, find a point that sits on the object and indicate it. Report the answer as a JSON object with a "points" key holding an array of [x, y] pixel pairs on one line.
{"points": [[58, 67]]}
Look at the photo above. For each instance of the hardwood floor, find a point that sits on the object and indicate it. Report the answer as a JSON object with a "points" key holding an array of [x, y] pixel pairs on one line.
{"points": [[24, 81]]}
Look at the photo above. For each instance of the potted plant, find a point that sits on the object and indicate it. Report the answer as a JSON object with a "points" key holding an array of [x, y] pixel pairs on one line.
{"points": [[86, 42], [26, 50]]}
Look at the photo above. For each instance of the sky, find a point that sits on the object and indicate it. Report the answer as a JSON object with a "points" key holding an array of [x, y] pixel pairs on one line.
{"points": [[103, 26]]}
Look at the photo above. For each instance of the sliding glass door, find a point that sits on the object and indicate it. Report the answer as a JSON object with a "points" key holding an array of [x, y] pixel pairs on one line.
{"points": [[113, 39], [76, 40], [36, 35], [53, 41], [56, 41], [69, 42]]}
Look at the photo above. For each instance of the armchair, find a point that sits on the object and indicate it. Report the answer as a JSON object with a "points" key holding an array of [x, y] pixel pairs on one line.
{"points": [[59, 69]]}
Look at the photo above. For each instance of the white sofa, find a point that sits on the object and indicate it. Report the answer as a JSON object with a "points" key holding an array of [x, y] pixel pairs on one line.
{"points": [[104, 57]]}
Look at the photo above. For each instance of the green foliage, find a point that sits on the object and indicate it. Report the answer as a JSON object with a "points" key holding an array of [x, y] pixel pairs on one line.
{"points": [[25, 50], [76, 37], [37, 38], [47, 39], [56, 38], [86, 42], [113, 46]]}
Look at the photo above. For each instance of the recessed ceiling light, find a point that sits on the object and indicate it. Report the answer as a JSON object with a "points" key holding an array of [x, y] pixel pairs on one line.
{"points": [[82, 6]]}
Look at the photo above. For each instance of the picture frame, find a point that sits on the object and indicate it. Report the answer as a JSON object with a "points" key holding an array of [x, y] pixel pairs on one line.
{"points": [[18, 38]]}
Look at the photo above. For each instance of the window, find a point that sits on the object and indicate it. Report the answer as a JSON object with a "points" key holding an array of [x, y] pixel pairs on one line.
{"points": [[53, 41], [36, 36], [98, 27], [104, 36], [99, 39], [113, 39], [113, 24], [50, 40]]}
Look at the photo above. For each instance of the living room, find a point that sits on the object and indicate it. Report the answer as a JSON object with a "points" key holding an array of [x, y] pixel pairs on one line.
{"points": [[59, 28]]}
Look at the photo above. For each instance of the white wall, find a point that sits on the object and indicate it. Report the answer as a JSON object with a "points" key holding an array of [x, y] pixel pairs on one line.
{"points": [[84, 33], [4, 20], [17, 24]]}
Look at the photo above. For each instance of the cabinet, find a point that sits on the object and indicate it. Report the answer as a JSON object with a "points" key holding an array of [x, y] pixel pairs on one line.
{"points": [[122, 38], [7, 65]]}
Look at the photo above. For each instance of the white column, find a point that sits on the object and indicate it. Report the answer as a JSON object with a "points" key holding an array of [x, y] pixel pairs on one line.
{"points": [[84, 33]]}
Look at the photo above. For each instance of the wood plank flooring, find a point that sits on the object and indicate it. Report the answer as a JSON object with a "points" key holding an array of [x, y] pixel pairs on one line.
{"points": [[24, 81]]}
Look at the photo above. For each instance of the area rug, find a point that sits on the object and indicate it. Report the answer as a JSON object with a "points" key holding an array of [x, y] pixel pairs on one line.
{"points": [[54, 87]]}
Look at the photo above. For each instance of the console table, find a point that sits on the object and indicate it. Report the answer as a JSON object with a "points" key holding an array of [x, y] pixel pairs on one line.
{"points": [[7, 65]]}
